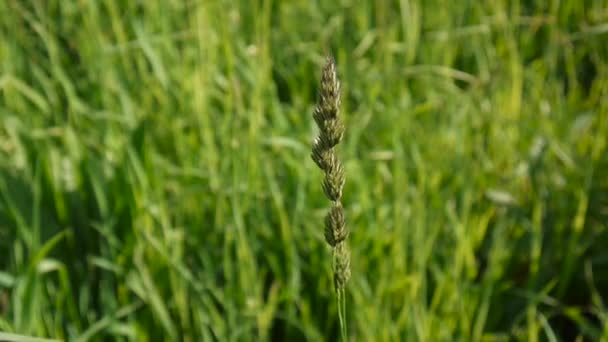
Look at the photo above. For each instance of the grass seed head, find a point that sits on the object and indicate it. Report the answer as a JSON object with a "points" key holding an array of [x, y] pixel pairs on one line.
{"points": [[331, 131]]}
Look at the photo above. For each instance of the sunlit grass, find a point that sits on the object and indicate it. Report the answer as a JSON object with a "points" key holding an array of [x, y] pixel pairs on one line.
{"points": [[155, 177]]}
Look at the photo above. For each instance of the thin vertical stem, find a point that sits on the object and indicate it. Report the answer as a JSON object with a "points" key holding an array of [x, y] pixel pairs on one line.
{"points": [[342, 313]]}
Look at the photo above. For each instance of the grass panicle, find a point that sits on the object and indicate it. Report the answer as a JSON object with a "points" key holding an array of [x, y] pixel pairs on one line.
{"points": [[331, 131]]}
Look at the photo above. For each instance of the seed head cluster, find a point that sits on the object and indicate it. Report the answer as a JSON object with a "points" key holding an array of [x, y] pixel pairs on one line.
{"points": [[331, 130]]}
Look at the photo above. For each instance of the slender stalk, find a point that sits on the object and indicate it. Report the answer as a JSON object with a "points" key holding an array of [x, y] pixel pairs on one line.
{"points": [[341, 298]]}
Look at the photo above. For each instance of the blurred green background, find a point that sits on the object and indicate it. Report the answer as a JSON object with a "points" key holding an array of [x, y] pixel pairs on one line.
{"points": [[156, 184]]}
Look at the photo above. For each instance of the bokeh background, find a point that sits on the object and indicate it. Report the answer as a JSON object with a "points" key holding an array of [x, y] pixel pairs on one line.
{"points": [[156, 184]]}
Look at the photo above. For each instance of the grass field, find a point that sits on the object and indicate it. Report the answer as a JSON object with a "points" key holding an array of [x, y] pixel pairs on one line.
{"points": [[156, 180]]}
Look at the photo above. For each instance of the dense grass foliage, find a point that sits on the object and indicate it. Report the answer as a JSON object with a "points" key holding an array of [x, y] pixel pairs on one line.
{"points": [[156, 180]]}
